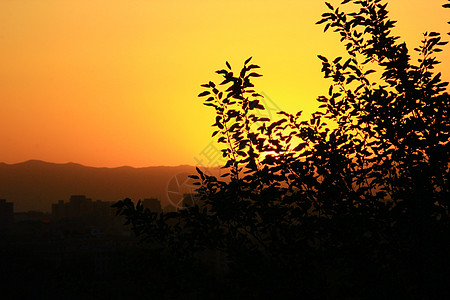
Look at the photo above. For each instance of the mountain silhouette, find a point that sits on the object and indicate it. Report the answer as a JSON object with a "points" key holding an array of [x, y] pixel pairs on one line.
{"points": [[35, 185]]}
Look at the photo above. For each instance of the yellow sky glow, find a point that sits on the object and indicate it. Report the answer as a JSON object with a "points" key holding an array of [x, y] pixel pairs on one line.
{"points": [[111, 83]]}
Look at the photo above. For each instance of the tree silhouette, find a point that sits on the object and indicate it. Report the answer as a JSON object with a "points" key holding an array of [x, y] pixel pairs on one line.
{"points": [[350, 202]]}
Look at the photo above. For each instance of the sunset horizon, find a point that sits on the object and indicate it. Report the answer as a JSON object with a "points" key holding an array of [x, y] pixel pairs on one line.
{"points": [[117, 85], [105, 167]]}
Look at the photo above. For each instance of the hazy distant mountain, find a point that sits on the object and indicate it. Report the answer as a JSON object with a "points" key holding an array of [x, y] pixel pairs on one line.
{"points": [[35, 185]]}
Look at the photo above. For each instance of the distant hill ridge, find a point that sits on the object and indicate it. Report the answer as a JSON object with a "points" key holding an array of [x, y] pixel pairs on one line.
{"points": [[35, 184]]}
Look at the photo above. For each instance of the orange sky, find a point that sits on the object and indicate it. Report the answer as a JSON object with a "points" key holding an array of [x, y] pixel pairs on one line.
{"points": [[111, 83]]}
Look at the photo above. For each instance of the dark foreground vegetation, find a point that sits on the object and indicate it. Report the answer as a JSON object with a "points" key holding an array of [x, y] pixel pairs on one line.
{"points": [[349, 203]]}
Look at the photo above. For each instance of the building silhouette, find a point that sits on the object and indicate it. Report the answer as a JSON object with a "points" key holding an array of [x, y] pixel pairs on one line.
{"points": [[6, 215], [80, 207], [153, 204]]}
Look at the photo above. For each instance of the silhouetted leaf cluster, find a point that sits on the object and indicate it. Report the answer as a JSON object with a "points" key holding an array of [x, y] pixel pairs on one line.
{"points": [[358, 190]]}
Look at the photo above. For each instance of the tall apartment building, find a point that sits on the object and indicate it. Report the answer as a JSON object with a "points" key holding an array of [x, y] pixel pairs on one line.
{"points": [[6, 214], [153, 204], [81, 207]]}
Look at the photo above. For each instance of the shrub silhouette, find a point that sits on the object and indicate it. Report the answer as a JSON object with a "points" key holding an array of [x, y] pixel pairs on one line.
{"points": [[350, 202]]}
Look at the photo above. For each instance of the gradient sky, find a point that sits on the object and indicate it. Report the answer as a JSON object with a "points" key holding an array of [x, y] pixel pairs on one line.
{"points": [[112, 83]]}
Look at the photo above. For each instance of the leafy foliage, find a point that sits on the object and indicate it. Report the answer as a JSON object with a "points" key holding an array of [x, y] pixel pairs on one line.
{"points": [[358, 190]]}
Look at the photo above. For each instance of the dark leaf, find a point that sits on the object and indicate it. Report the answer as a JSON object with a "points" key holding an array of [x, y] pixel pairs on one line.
{"points": [[253, 67], [254, 75], [323, 58]]}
